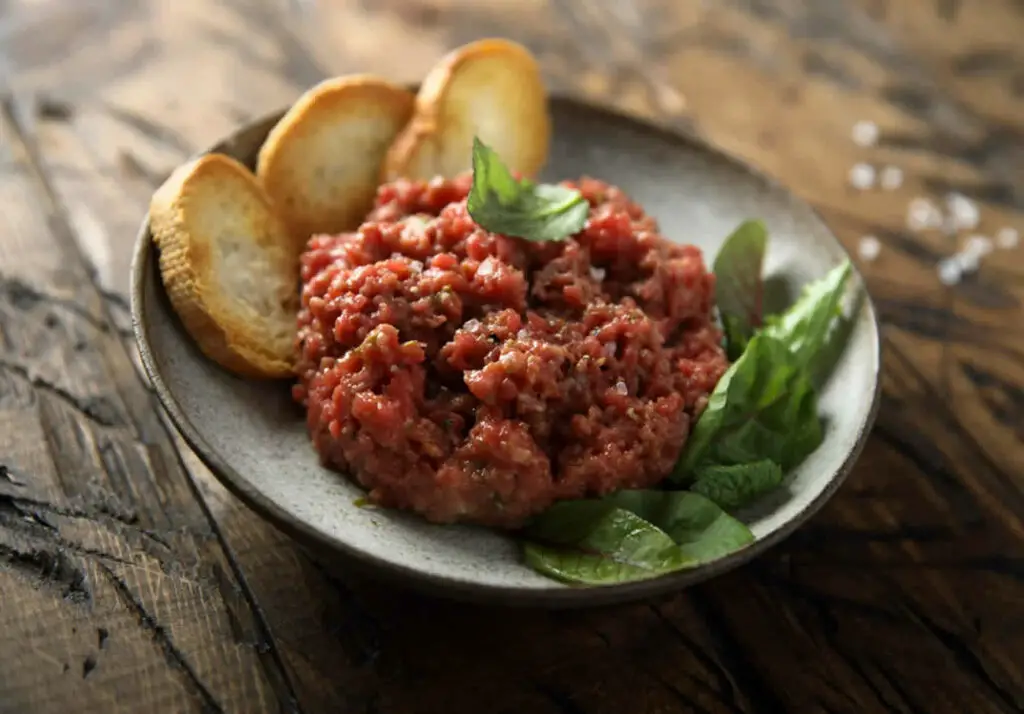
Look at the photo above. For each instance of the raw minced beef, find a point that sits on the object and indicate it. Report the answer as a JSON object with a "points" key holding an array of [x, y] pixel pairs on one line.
{"points": [[469, 376]]}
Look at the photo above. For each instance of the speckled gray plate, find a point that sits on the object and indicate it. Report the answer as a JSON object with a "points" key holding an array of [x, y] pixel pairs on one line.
{"points": [[254, 438]]}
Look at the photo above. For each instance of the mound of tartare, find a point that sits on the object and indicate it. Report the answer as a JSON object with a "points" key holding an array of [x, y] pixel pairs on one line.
{"points": [[470, 376]]}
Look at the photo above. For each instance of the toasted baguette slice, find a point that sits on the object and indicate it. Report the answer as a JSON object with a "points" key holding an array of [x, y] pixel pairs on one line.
{"points": [[491, 88], [228, 264], [321, 163]]}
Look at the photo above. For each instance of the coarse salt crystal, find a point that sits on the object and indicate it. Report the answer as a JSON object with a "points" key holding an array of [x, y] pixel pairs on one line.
{"points": [[968, 261], [869, 248], [620, 388], [923, 214], [891, 178], [865, 133], [1007, 237], [978, 245], [597, 273], [963, 211], [949, 271], [862, 176]]}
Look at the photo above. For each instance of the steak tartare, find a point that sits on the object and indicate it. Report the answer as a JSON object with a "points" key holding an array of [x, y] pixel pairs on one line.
{"points": [[474, 377]]}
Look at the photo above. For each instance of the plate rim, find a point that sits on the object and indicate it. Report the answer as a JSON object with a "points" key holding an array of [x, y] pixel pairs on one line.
{"points": [[142, 271]]}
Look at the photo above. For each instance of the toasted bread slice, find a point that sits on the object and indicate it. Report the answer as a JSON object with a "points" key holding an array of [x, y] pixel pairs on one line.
{"points": [[321, 163], [490, 88], [228, 264]]}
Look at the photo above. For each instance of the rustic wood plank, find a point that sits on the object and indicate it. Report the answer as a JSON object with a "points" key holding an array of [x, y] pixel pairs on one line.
{"points": [[929, 523], [105, 553]]}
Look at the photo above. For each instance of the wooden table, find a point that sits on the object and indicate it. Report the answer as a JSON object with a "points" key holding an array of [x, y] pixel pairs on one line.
{"points": [[130, 581]]}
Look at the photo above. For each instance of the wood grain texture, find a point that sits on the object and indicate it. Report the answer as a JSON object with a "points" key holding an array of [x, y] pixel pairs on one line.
{"points": [[130, 579]]}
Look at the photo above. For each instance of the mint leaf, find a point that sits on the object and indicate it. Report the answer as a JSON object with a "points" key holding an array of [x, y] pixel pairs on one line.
{"points": [[806, 326], [764, 407], [631, 535], [737, 485], [738, 284], [537, 212]]}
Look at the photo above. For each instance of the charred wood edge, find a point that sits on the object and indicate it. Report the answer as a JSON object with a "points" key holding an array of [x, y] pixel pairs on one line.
{"points": [[275, 669]]}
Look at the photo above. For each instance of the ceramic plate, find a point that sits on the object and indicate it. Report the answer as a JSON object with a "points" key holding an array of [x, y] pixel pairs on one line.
{"points": [[254, 438]]}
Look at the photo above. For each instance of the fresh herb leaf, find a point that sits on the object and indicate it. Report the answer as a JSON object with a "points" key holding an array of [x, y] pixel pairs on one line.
{"points": [[701, 529], [599, 544], [737, 485], [806, 326], [764, 407], [737, 336], [738, 284], [631, 535], [536, 212]]}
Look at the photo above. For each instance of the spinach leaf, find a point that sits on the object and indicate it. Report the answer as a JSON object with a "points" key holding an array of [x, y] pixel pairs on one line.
{"points": [[806, 326], [764, 407], [599, 544], [701, 529], [739, 286], [630, 535], [536, 212], [737, 485]]}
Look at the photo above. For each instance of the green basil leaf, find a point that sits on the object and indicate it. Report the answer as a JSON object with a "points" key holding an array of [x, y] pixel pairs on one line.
{"points": [[737, 485], [631, 535], [536, 212], [806, 326], [739, 286], [764, 407]]}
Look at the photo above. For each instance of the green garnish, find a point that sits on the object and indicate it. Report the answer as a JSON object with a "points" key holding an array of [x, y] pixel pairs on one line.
{"points": [[535, 212], [760, 421], [631, 535], [738, 286]]}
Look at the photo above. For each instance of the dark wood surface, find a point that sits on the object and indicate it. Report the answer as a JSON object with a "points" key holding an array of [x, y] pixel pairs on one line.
{"points": [[130, 581]]}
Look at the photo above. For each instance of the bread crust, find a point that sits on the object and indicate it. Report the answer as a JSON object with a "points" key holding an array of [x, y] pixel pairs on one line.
{"points": [[320, 164], [438, 139], [201, 206]]}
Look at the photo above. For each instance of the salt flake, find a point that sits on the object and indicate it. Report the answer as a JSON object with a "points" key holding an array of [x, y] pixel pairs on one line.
{"points": [[869, 248], [865, 133], [862, 176]]}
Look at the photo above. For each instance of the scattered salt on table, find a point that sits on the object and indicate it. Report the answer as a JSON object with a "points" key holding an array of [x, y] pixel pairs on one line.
{"points": [[978, 245], [862, 176], [869, 248], [968, 261], [923, 214], [891, 178], [865, 133], [949, 271], [1007, 237], [963, 211]]}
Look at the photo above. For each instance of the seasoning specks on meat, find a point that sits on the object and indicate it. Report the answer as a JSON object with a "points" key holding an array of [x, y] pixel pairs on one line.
{"points": [[469, 376]]}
